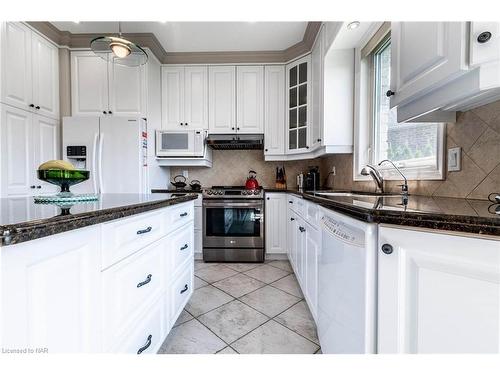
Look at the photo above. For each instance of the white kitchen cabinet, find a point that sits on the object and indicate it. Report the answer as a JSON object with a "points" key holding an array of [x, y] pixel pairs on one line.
{"points": [[101, 88], [45, 76], [53, 305], [275, 214], [185, 97], [274, 110], [16, 82], [127, 90], [298, 105], [27, 141], [291, 231], [317, 63], [222, 99], [250, 99], [425, 54], [437, 293], [29, 70]]}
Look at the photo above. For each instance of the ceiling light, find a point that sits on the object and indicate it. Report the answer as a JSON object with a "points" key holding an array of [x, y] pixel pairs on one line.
{"points": [[353, 25], [119, 50]]}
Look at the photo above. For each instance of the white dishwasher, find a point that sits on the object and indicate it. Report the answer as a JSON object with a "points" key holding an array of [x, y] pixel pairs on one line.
{"points": [[347, 285]]}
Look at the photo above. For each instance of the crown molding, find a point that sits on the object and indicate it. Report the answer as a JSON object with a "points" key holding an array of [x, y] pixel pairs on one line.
{"points": [[149, 40]]}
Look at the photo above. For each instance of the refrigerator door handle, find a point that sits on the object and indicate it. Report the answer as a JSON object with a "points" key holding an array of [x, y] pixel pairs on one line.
{"points": [[94, 161], [101, 137]]}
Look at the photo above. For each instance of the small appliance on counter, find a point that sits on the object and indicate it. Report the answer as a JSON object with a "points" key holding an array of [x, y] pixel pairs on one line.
{"points": [[312, 179]]}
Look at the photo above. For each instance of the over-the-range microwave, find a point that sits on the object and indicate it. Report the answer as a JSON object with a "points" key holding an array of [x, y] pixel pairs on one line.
{"points": [[180, 143]]}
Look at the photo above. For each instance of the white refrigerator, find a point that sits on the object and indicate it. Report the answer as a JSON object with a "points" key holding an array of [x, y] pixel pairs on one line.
{"points": [[113, 149]]}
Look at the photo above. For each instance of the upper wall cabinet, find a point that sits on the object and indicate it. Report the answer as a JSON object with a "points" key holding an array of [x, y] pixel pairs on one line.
{"points": [[298, 105], [185, 97], [274, 110], [317, 58], [250, 99], [222, 99], [29, 70], [236, 99], [438, 68], [102, 88]]}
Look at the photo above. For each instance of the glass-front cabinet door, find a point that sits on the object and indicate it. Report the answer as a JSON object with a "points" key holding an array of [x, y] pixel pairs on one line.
{"points": [[298, 104]]}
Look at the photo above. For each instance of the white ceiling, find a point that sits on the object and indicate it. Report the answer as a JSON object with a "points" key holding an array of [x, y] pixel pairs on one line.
{"points": [[204, 36], [347, 38]]}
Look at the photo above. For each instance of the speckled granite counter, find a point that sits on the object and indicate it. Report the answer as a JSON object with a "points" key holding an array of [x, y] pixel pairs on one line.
{"points": [[452, 214], [23, 220]]}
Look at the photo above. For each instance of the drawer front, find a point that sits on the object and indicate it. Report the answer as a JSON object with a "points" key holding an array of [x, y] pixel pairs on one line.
{"points": [[181, 290], [147, 336], [126, 236], [180, 214], [198, 218], [182, 245], [129, 287]]}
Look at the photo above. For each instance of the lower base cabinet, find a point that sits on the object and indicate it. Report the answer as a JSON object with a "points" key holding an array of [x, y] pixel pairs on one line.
{"points": [[437, 293], [58, 297]]}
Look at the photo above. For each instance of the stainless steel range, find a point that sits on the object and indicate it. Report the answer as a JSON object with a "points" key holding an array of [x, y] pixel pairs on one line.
{"points": [[233, 224]]}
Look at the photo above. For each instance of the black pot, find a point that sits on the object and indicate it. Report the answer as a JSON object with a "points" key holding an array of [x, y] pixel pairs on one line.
{"points": [[195, 185], [179, 182]]}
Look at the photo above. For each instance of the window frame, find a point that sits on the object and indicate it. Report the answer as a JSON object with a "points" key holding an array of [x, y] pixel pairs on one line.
{"points": [[365, 127]]}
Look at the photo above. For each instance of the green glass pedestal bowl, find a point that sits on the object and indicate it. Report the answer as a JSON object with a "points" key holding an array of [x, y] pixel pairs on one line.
{"points": [[63, 178]]}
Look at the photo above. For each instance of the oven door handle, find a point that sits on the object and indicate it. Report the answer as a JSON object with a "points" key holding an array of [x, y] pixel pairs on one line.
{"points": [[255, 204]]}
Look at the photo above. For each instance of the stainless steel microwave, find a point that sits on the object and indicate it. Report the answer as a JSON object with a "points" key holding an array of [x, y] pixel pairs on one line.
{"points": [[180, 143]]}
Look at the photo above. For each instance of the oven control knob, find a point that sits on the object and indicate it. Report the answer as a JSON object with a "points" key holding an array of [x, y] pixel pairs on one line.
{"points": [[219, 192], [209, 192], [244, 192], [255, 192]]}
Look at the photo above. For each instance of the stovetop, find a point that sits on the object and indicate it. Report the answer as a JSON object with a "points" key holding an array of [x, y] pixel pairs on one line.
{"points": [[231, 192]]}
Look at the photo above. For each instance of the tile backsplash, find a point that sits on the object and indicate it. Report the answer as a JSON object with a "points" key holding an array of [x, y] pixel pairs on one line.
{"points": [[230, 167], [476, 131]]}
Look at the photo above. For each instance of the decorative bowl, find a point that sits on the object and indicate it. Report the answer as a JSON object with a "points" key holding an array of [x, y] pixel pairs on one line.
{"points": [[63, 178]]}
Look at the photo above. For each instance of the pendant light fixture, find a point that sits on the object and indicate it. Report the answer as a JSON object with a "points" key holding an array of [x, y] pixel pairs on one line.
{"points": [[119, 50]]}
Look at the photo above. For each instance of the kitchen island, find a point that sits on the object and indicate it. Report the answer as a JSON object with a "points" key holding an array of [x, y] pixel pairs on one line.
{"points": [[108, 276]]}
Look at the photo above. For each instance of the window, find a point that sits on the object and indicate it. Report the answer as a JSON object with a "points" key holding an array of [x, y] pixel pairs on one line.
{"points": [[415, 147]]}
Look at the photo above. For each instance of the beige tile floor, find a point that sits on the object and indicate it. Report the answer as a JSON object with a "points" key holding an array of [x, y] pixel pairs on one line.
{"points": [[245, 308]]}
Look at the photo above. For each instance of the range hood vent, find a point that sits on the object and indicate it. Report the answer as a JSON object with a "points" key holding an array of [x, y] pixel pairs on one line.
{"points": [[236, 141]]}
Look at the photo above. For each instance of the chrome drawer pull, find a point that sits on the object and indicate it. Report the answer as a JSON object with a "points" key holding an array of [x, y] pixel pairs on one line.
{"points": [[147, 281], [183, 214], [302, 229], [185, 289], [148, 343], [142, 231], [184, 247]]}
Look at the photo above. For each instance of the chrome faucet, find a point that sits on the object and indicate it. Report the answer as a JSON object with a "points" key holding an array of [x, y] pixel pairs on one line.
{"points": [[404, 187], [370, 170]]}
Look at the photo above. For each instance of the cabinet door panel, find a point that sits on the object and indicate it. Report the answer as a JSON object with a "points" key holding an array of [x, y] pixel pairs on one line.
{"points": [[274, 103], [17, 151], [250, 99], [127, 90], [222, 99], [55, 305], [89, 84], [425, 54], [172, 97], [46, 147], [16, 81], [45, 57], [276, 214], [438, 293], [196, 97]]}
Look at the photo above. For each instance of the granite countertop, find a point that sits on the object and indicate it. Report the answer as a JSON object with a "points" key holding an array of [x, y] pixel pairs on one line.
{"points": [[177, 191], [452, 214], [21, 219]]}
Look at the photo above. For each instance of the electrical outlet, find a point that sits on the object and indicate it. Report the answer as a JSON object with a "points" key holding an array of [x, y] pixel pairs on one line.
{"points": [[185, 174], [334, 171], [454, 159]]}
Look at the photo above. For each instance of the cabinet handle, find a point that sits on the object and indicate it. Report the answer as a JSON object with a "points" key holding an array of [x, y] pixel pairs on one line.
{"points": [[39, 187], [387, 249], [232, 128], [484, 37], [290, 202], [268, 198], [104, 112], [110, 112], [307, 147], [292, 219], [390, 93], [187, 124], [182, 124], [183, 214], [32, 186], [184, 247], [37, 107], [319, 140], [302, 229], [147, 281], [142, 231], [265, 150], [185, 289], [32, 105], [148, 343]]}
